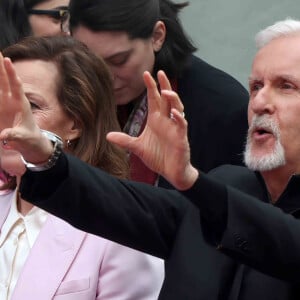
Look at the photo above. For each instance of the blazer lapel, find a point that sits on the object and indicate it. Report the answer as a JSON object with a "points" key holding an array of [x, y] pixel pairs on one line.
{"points": [[237, 283], [49, 260]]}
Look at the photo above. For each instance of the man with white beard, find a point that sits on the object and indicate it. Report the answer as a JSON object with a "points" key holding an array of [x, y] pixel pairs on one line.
{"points": [[249, 213], [271, 160]]}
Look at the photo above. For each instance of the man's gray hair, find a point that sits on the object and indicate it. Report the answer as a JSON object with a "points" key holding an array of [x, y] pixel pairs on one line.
{"points": [[283, 28]]}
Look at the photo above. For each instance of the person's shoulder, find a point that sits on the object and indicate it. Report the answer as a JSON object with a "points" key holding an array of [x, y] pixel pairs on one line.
{"points": [[239, 177], [199, 73], [196, 65], [234, 170]]}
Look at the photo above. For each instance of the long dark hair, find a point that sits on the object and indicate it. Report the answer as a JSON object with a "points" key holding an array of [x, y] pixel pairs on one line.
{"points": [[14, 22], [137, 18], [85, 92], [28, 4]]}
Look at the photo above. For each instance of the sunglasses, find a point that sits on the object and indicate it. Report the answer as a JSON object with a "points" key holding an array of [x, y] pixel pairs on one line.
{"points": [[58, 14]]}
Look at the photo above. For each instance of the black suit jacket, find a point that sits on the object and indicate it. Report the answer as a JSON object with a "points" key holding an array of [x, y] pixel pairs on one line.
{"points": [[136, 215], [162, 223], [257, 233]]}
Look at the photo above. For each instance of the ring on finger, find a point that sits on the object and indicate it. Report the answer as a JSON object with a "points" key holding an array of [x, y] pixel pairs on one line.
{"points": [[172, 115]]}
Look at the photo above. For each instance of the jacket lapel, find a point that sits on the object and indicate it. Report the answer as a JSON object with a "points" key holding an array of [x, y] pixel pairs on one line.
{"points": [[49, 260], [237, 282]]}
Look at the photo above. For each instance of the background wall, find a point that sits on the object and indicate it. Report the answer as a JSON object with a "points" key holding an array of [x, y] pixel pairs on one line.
{"points": [[224, 30]]}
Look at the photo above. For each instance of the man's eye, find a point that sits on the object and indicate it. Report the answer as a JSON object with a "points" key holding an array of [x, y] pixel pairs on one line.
{"points": [[255, 87], [34, 106], [287, 86]]}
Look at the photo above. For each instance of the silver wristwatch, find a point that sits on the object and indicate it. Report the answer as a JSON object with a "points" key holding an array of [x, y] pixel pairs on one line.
{"points": [[57, 149]]}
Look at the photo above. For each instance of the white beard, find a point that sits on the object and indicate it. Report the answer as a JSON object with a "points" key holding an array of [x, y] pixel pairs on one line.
{"points": [[269, 161]]}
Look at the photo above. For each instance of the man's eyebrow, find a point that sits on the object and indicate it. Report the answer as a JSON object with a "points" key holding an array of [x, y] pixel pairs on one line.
{"points": [[253, 79], [276, 78], [288, 77]]}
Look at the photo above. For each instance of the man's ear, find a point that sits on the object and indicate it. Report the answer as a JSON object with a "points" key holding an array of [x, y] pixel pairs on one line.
{"points": [[158, 35]]}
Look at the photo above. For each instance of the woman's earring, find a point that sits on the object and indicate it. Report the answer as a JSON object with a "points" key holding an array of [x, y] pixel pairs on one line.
{"points": [[69, 144]]}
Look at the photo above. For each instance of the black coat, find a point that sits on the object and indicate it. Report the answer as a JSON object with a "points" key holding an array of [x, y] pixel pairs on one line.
{"points": [[215, 106], [162, 223]]}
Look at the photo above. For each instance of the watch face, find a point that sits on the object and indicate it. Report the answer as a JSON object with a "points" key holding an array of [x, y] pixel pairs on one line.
{"points": [[57, 149]]}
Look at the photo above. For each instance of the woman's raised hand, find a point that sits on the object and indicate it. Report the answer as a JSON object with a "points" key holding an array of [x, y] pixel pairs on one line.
{"points": [[18, 129]]}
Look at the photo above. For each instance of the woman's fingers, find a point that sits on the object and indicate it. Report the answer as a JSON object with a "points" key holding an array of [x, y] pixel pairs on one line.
{"points": [[4, 82], [14, 82]]}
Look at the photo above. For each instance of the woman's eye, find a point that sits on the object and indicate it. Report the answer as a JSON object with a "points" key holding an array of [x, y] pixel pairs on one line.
{"points": [[56, 19], [118, 60]]}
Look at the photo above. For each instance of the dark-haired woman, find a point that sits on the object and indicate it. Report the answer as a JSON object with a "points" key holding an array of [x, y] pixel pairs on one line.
{"points": [[137, 35], [22, 18]]}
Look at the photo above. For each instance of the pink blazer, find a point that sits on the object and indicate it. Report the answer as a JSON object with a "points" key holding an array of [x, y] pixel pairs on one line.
{"points": [[68, 264]]}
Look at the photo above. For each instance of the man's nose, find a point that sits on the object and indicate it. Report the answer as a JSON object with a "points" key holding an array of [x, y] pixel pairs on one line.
{"points": [[262, 102]]}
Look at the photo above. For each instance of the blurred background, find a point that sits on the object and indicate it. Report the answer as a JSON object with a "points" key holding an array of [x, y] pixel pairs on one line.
{"points": [[224, 31]]}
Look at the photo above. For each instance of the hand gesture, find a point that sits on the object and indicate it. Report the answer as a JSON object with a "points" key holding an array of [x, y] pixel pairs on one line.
{"points": [[163, 145], [18, 129]]}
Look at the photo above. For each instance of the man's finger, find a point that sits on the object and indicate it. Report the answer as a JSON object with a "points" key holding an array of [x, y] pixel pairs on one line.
{"points": [[152, 93], [122, 140], [163, 80], [173, 100]]}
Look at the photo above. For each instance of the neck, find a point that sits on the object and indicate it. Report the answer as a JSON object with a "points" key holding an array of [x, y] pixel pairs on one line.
{"points": [[23, 206], [276, 181]]}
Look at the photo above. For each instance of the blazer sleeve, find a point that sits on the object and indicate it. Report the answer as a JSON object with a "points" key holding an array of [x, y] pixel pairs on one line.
{"points": [[129, 274], [263, 236], [249, 230], [133, 214]]}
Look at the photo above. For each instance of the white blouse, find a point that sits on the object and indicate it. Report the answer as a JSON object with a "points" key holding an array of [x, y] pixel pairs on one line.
{"points": [[17, 237]]}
